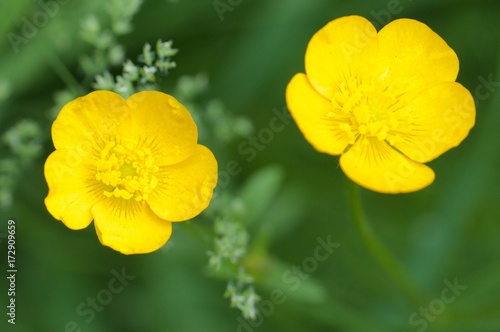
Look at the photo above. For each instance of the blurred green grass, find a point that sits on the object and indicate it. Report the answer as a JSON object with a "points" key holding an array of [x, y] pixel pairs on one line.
{"points": [[449, 230]]}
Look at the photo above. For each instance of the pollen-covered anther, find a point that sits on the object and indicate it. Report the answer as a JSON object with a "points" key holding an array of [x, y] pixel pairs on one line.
{"points": [[126, 171], [372, 113]]}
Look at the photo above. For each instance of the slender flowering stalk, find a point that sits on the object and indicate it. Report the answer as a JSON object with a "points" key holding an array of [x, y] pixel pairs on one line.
{"points": [[384, 257]]}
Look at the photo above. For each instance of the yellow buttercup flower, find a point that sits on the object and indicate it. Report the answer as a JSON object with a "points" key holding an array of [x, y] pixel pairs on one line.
{"points": [[387, 102], [133, 166]]}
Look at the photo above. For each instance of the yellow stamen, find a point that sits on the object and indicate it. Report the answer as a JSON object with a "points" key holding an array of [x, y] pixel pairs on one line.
{"points": [[371, 110], [127, 170]]}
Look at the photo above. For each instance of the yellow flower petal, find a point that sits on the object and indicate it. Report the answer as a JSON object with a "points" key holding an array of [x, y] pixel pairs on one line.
{"points": [[439, 119], [376, 166], [129, 227], [316, 117], [86, 121], [162, 124], [411, 56], [345, 47], [185, 189], [72, 187]]}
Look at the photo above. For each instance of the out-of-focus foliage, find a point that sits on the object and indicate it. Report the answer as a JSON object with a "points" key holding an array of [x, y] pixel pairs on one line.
{"points": [[280, 224]]}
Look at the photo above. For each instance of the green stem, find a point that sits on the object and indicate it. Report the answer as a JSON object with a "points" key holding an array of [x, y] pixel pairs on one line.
{"points": [[384, 257]]}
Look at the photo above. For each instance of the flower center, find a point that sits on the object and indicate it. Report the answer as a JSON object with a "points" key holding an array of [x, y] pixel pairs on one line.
{"points": [[127, 171], [370, 112]]}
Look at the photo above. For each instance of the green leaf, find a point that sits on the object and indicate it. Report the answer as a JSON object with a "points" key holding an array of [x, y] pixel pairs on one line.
{"points": [[260, 190]]}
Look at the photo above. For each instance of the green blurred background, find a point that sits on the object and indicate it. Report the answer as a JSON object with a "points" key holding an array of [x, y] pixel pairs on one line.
{"points": [[446, 232]]}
